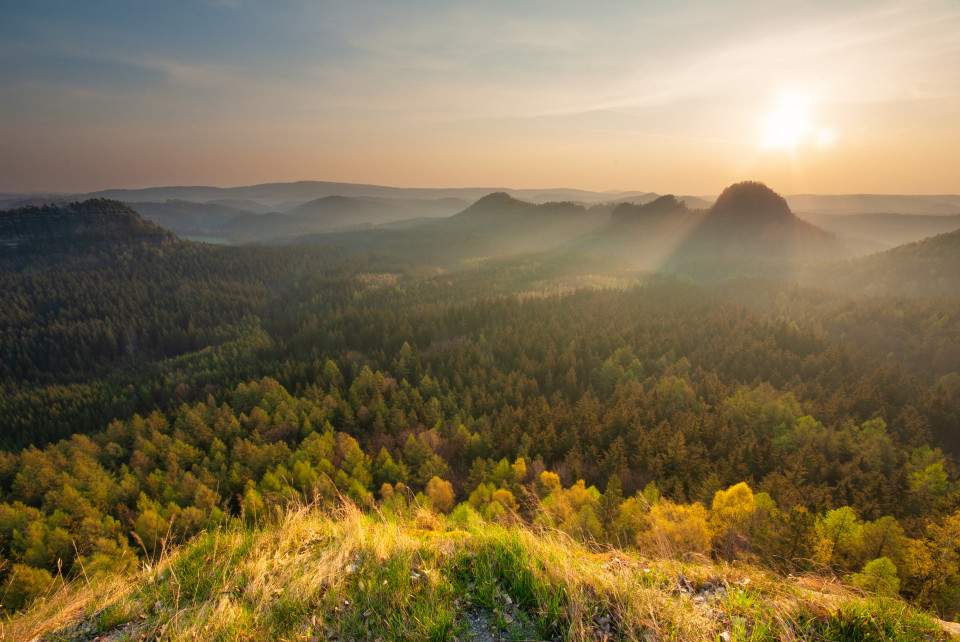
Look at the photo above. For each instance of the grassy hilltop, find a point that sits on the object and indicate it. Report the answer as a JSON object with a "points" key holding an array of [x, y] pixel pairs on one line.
{"points": [[310, 574]]}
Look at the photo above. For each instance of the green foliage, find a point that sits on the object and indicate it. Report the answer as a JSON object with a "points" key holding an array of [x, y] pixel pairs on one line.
{"points": [[878, 576], [675, 395], [764, 411], [873, 619], [840, 534], [466, 518], [23, 584]]}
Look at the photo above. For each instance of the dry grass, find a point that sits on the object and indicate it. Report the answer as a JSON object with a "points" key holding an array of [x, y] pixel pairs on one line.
{"points": [[349, 575], [70, 603]]}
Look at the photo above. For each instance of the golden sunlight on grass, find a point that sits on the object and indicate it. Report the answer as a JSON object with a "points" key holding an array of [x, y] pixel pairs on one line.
{"points": [[308, 574]]}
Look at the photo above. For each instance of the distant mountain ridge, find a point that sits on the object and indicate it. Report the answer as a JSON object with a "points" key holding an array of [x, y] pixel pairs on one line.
{"points": [[332, 212], [886, 231], [846, 204], [749, 229], [186, 217], [231, 223], [495, 225], [287, 195]]}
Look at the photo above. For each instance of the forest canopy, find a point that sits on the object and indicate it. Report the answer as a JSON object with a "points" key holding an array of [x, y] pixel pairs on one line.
{"points": [[150, 391]]}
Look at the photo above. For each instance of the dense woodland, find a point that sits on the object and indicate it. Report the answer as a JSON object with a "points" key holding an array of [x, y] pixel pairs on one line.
{"points": [[153, 390]]}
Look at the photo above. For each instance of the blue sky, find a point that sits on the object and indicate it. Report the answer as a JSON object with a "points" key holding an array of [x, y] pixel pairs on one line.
{"points": [[660, 96]]}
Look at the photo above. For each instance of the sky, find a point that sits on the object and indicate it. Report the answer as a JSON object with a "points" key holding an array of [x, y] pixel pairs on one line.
{"points": [[654, 95]]}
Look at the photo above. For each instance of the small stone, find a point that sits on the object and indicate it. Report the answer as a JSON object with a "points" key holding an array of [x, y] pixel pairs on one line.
{"points": [[725, 636]]}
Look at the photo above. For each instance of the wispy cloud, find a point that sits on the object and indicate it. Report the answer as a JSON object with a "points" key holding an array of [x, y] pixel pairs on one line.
{"points": [[424, 72]]}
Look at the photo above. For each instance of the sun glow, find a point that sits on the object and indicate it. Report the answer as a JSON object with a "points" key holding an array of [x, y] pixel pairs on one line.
{"points": [[789, 124]]}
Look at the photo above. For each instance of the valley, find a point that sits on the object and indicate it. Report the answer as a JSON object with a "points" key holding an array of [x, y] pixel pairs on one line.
{"points": [[727, 383]]}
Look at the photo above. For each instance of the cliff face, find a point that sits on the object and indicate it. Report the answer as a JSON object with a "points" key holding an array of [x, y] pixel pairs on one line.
{"points": [[69, 226]]}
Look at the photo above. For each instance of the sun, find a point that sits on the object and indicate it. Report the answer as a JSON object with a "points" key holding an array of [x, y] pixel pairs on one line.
{"points": [[789, 124]]}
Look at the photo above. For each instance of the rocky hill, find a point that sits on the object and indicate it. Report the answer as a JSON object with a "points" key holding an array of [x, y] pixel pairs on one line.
{"points": [[750, 219]]}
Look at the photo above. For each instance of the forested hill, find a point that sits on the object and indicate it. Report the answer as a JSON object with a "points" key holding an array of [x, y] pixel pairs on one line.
{"points": [[78, 225], [647, 235], [930, 266]]}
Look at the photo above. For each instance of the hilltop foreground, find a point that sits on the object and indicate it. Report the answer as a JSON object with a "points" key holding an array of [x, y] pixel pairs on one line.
{"points": [[307, 574]]}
